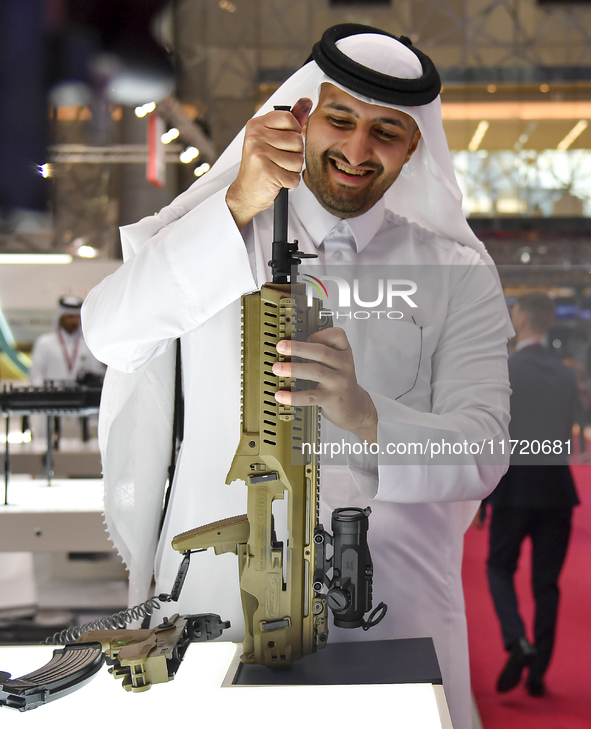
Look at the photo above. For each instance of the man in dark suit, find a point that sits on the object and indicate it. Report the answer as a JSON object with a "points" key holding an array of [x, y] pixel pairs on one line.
{"points": [[536, 496]]}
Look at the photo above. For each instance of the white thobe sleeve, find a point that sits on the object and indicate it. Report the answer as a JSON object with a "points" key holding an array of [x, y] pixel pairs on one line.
{"points": [[185, 274], [469, 405]]}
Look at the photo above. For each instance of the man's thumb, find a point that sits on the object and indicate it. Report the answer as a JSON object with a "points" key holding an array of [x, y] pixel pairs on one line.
{"points": [[301, 110]]}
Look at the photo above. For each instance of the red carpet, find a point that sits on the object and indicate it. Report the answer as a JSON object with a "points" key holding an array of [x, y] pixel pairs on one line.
{"points": [[567, 704]]}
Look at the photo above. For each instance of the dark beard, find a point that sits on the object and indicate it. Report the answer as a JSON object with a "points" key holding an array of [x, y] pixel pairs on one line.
{"points": [[345, 205]]}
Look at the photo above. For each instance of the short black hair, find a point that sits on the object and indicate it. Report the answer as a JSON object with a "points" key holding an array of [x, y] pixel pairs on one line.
{"points": [[539, 310]]}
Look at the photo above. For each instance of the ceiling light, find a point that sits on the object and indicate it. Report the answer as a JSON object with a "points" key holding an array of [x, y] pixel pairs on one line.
{"points": [[189, 155], [478, 136], [530, 110], [35, 258], [87, 252], [141, 111], [202, 169], [572, 135], [168, 136]]}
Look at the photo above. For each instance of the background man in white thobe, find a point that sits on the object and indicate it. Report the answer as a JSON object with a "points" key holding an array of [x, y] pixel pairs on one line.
{"points": [[62, 355], [442, 374]]}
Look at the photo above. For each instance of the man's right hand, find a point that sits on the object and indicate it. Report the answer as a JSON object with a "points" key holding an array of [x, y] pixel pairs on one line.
{"points": [[272, 158]]}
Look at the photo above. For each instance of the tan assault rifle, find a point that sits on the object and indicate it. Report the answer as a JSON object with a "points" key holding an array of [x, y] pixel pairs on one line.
{"points": [[281, 583], [285, 616]]}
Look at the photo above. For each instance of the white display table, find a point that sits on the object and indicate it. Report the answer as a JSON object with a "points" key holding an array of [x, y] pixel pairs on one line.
{"points": [[66, 516], [202, 696], [74, 458]]}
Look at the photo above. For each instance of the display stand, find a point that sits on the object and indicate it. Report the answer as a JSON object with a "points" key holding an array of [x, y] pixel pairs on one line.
{"points": [[392, 662], [52, 400], [202, 692]]}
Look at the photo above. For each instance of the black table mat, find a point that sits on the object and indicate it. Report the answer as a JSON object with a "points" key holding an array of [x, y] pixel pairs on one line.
{"points": [[409, 660]]}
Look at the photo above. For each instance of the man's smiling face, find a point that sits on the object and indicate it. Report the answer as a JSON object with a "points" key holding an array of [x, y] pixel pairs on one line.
{"points": [[355, 151]]}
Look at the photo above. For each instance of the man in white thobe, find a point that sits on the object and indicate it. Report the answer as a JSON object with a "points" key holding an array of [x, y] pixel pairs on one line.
{"points": [[62, 355], [378, 190]]}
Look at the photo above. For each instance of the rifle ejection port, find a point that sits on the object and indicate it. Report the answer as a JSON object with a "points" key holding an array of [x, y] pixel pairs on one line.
{"points": [[274, 624], [263, 478]]}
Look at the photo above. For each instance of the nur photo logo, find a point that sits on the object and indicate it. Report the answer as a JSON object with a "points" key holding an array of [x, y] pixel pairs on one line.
{"points": [[387, 292]]}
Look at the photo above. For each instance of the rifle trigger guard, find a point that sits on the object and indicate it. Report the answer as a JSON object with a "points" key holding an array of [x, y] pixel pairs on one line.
{"points": [[376, 616]]}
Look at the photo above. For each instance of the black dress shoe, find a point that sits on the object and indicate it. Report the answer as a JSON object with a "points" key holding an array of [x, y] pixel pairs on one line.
{"points": [[535, 687], [521, 655]]}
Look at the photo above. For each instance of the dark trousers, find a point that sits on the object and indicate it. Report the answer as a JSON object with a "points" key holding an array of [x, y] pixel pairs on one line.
{"points": [[549, 530]]}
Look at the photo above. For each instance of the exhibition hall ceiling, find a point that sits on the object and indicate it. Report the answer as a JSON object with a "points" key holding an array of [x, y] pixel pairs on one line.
{"points": [[518, 116]]}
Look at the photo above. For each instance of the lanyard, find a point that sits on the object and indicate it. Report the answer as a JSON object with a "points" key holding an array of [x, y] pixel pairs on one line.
{"points": [[70, 361]]}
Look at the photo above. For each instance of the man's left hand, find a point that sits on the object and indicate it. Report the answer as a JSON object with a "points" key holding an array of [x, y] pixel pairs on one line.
{"points": [[329, 363]]}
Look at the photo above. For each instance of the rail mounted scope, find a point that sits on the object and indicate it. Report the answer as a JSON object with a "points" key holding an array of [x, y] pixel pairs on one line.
{"points": [[350, 586]]}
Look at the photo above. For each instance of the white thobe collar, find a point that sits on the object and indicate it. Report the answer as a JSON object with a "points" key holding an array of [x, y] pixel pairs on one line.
{"points": [[319, 222]]}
